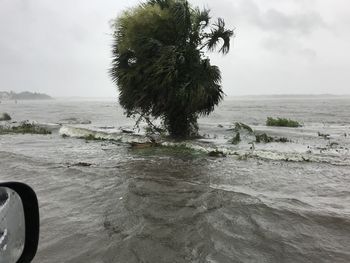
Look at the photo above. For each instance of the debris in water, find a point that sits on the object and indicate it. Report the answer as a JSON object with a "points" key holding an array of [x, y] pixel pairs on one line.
{"points": [[333, 144], [305, 159], [81, 164], [217, 153], [127, 131], [263, 138], [142, 145], [267, 139], [325, 136], [281, 139]]}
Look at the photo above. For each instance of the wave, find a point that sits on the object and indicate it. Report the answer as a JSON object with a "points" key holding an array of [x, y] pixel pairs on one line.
{"points": [[277, 153], [74, 120], [102, 134]]}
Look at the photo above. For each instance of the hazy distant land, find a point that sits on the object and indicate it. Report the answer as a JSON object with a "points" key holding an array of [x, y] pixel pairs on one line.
{"points": [[25, 95]]}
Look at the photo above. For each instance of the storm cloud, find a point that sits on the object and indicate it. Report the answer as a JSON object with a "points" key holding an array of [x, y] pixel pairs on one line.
{"points": [[280, 22], [290, 46]]}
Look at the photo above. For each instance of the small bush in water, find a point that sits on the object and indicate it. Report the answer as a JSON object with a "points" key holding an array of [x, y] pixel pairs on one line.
{"points": [[25, 128], [266, 139], [282, 122], [5, 117], [263, 138]]}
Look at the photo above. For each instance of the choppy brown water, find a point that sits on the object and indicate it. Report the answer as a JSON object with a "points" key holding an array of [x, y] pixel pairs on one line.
{"points": [[160, 205]]}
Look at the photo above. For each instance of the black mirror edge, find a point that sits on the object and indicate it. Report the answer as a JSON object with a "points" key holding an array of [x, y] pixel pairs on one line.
{"points": [[31, 214]]}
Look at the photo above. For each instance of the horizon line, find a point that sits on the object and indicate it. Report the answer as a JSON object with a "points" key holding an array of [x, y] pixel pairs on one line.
{"points": [[245, 95]]}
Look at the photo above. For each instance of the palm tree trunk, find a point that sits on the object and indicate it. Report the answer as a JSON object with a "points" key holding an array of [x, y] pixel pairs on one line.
{"points": [[181, 125]]}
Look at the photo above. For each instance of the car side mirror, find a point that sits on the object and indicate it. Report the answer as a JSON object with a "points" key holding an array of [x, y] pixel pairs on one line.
{"points": [[19, 223]]}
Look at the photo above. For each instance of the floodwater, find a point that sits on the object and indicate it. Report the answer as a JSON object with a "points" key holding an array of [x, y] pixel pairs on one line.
{"points": [[102, 201]]}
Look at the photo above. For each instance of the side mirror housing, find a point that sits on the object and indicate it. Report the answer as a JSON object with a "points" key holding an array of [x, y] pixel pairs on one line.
{"points": [[19, 222]]}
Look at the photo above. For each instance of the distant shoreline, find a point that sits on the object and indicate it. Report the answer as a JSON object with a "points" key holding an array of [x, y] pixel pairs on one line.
{"points": [[228, 97], [25, 95], [11, 96]]}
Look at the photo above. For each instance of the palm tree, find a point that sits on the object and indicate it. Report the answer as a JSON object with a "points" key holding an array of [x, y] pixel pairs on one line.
{"points": [[160, 67]]}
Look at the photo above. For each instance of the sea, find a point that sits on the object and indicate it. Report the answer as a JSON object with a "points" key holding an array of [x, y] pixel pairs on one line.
{"points": [[103, 201]]}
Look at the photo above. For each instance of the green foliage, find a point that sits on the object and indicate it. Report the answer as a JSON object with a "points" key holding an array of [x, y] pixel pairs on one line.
{"points": [[281, 139], [24, 128], [282, 122], [159, 66], [263, 138], [267, 139], [5, 117], [241, 126]]}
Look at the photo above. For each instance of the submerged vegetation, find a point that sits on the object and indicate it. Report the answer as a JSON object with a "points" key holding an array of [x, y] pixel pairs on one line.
{"points": [[5, 117], [217, 153], [264, 138], [252, 136], [282, 122], [236, 139], [24, 128], [326, 136], [281, 139], [160, 67], [240, 129], [241, 126], [93, 137]]}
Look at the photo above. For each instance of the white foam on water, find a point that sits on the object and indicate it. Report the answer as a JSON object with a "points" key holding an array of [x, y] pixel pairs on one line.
{"points": [[113, 135], [296, 151]]}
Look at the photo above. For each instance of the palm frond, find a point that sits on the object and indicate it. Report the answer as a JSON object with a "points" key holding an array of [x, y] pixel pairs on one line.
{"points": [[162, 3], [182, 16], [219, 32], [158, 66], [201, 17]]}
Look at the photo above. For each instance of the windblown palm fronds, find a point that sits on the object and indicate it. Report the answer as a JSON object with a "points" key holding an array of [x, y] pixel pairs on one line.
{"points": [[159, 66]]}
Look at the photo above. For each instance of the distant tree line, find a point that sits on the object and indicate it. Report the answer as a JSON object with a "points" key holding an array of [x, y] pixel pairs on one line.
{"points": [[26, 95]]}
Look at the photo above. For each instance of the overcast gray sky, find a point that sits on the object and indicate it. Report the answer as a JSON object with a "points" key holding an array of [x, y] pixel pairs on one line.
{"points": [[281, 47]]}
